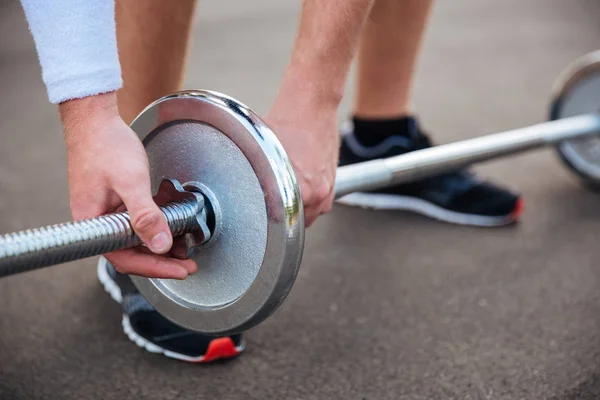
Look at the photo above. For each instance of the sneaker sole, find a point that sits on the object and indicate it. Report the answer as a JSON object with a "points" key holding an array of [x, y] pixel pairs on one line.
{"points": [[218, 348], [382, 201]]}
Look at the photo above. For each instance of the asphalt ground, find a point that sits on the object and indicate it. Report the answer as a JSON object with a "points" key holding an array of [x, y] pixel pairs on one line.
{"points": [[387, 305]]}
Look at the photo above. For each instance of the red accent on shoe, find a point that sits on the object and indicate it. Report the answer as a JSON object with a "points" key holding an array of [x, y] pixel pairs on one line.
{"points": [[519, 207], [220, 348]]}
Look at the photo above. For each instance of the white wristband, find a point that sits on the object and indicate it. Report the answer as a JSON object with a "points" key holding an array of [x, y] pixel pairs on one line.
{"points": [[77, 46]]}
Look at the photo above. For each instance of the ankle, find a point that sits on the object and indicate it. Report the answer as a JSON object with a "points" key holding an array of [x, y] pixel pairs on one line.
{"points": [[372, 131]]}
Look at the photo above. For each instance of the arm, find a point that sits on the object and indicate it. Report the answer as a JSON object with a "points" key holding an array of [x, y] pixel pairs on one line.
{"points": [[77, 49], [325, 45], [304, 115]]}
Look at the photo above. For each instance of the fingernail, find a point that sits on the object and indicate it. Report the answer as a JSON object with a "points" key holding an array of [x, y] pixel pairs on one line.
{"points": [[191, 268], [160, 243], [182, 273]]}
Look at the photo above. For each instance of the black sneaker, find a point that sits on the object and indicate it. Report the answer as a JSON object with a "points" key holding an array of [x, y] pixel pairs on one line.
{"points": [[144, 326], [458, 197]]}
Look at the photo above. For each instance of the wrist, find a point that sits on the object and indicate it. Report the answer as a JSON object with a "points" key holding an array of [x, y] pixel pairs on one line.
{"points": [[307, 88], [82, 117]]}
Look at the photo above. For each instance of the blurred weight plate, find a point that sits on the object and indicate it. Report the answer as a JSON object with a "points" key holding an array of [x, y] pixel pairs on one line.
{"points": [[577, 91], [212, 142]]}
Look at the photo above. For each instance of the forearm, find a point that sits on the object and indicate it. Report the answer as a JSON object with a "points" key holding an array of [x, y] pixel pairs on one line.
{"points": [[76, 45], [326, 42]]}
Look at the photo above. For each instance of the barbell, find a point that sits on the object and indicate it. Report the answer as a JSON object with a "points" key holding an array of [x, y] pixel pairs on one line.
{"points": [[226, 185]]}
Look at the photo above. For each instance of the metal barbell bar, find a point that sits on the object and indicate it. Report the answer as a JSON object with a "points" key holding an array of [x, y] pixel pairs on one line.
{"points": [[37, 248], [416, 165], [57, 244]]}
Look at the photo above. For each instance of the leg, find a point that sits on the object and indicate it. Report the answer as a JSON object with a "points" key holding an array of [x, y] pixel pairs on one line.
{"points": [[383, 126], [388, 56], [153, 38]]}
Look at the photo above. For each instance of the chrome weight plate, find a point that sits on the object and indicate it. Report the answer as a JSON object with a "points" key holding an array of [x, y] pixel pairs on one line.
{"points": [[245, 271], [576, 92]]}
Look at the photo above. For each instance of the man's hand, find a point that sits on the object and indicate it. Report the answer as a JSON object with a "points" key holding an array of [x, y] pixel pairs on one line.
{"points": [[108, 168], [310, 137], [304, 115]]}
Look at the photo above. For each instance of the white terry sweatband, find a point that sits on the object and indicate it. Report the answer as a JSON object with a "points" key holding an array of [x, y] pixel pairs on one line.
{"points": [[76, 43]]}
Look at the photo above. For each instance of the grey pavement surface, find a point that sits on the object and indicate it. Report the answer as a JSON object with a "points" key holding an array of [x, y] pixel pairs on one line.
{"points": [[387, 305]]}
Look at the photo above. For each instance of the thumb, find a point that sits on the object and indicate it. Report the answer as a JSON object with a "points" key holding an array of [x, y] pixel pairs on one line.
{"points": [[148, 222]]}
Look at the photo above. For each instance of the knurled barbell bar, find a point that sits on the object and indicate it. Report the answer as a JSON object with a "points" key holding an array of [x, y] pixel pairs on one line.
{"points": [[223, 179]]}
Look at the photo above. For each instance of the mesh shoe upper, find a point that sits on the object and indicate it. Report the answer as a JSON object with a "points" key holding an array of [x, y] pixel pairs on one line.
{"points": [[150, 325], [458, 191]]}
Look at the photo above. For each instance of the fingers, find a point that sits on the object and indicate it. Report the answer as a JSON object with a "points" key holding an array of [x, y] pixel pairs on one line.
{"points": [[317, 202], [189, 265], [180, 248], [135, 262], [327, 204], [310, 216], [148, 222]]}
